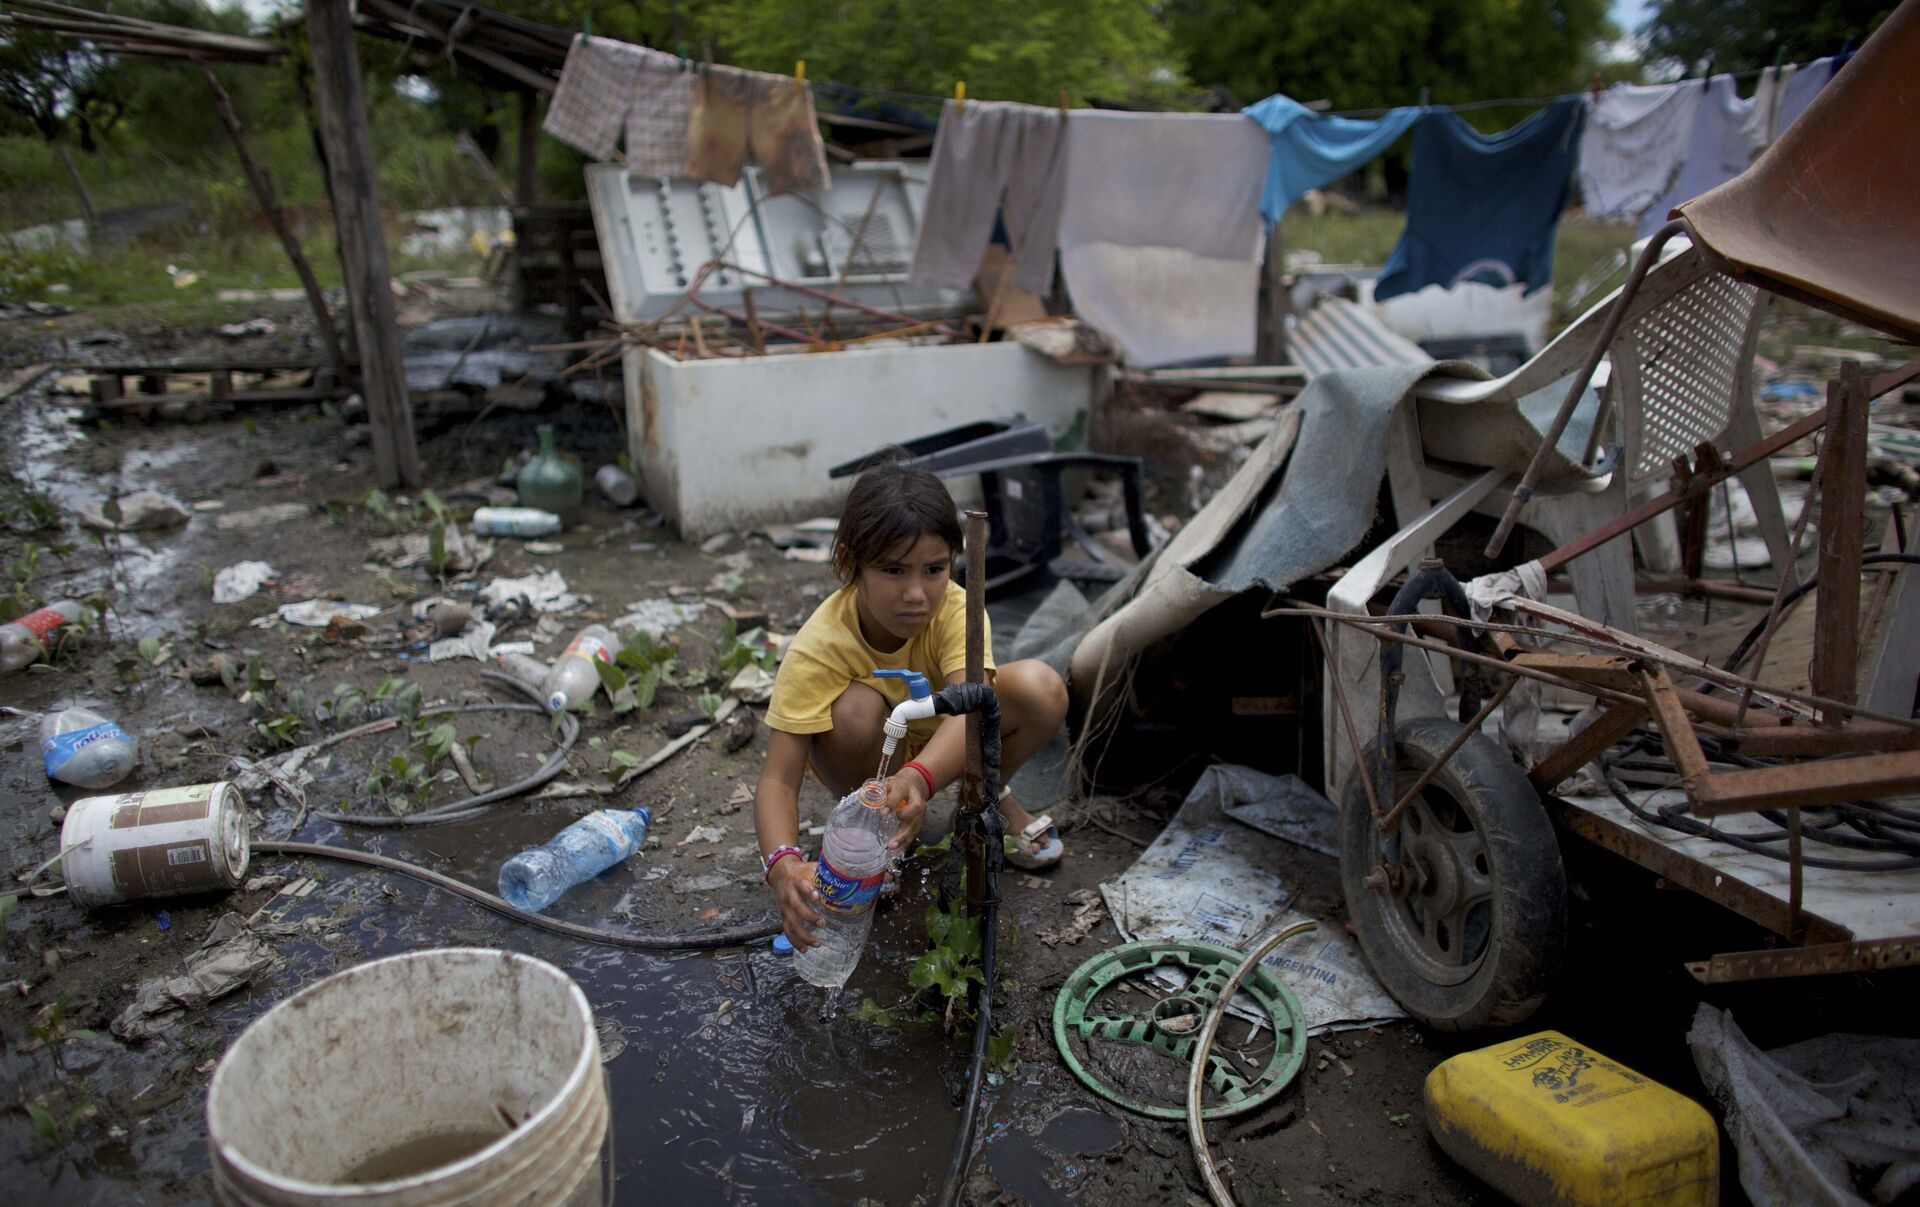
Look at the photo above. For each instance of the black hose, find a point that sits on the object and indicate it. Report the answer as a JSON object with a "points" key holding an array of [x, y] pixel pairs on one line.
{"points": [[587, 934], [1739, 654], [965, 698], [472, 806]]}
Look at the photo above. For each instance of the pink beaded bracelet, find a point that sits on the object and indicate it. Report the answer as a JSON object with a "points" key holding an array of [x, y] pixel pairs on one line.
{"points": [[777, 854]]}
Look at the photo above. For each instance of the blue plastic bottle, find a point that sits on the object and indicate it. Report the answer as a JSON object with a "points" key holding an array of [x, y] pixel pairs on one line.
{"points": [[535, 879]]}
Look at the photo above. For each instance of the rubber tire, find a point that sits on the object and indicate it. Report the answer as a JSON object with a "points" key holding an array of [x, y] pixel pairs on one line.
{"points": [[1528, 935]]}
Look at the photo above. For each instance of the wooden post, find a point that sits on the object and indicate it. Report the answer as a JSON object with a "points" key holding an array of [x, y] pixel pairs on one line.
{"points": [[1273, 334], [973, 779], [527, 163], [263, 191], [80, 187], [342, 106], [1842, 479]]}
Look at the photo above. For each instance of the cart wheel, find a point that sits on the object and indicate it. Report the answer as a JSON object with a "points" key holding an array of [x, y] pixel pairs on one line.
{"points": [[1462, 911]]}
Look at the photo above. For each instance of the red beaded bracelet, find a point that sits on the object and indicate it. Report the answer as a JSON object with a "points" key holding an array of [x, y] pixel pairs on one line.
{"points": [[778, 854], [924, 774]]}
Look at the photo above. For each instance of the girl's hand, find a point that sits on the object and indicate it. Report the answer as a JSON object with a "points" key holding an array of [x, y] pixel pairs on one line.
{"points": [[907, 797], [795, 896]]}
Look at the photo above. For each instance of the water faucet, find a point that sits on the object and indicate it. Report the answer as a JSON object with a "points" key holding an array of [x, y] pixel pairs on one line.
{"points": [[918, 704]]}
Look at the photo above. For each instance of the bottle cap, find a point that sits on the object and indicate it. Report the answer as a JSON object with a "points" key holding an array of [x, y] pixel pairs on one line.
{"points": [[556, 701], [782, 946], [646, 815], [917, 685]]}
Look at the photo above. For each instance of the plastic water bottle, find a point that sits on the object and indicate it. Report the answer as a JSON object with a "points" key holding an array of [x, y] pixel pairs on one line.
{"points": [[534, 879], [514, 521], [852, 867], [572, 681], [85, 749], [24, 641], [524, 667]]}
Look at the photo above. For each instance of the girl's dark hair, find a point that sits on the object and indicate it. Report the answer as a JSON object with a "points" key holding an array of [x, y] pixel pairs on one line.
{"points": [[892, 503]]}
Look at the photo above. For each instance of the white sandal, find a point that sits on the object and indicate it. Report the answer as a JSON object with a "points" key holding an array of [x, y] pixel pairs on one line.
{"points": [[1037, 846]]}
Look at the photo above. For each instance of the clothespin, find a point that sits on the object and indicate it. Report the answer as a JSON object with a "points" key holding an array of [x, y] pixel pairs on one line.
{"points": [[799, 71], [959, 94]]}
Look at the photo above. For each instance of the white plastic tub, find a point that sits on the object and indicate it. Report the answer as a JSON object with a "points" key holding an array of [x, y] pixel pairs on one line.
{"points": [[428, 1053]]}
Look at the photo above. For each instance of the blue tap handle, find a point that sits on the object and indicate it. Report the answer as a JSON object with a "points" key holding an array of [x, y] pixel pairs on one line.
{"points": [[917, 685]]}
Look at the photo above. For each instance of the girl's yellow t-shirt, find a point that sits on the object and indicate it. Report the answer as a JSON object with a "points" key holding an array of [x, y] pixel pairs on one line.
{"points": [[828, 653]]}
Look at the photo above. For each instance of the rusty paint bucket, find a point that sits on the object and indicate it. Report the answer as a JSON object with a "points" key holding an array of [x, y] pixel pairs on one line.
{"points": [[160, 843]]}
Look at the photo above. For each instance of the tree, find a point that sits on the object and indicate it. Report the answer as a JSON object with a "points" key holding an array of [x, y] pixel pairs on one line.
{"points": [[1742, 35], [1361, 54]]}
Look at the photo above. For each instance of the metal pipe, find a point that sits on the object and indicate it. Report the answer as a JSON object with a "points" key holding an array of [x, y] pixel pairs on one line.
{"points": [[1578, 384], [973, 778]]}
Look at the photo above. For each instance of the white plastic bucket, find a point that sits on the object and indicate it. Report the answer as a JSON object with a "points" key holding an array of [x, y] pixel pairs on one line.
{"points": [[154, 844], [391, 1054]]}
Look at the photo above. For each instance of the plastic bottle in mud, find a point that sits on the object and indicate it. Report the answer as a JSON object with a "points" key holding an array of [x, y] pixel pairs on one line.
{"points": [[852, 867], [24, 641], [84, 748], [534, 879], [572, 681], [524, 667], [515, 521]]}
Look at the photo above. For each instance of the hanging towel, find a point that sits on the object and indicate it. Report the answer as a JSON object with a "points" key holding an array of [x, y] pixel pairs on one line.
{"points": [[1484, 207], [1635, 140], [1718, 148], [1798, 89], [1161, 211], [1309, 149], [595, 91], [658, 117], [992, 157]]}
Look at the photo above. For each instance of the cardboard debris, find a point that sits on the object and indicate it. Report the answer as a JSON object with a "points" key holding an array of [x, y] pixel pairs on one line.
{"points": [[317, 613], [546, 591], [1283, 806], [1202, 880], [230, 956], [1087, 914], [752, 684], [659, 616]]}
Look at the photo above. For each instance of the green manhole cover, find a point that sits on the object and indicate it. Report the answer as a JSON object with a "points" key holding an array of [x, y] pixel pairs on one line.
{"points": [[1111, 1033]]}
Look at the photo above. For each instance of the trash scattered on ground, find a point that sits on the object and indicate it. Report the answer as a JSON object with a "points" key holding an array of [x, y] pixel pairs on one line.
{"points": [[1230, 407], [141, 511], [83, 748], [416, 548], [716, 542], [1087, 913], [475, 642], [709, 882], [1197, 881], [317, 613], [752, 684], [704, 834], [230, 956], [617, 485], [215, 668], [251, 327], [545, 547], [538, 876], [659, 616], [740, 729], [1826, 1120], [734, 575], [242, 580], [26, 640], [545, 591], [1283, 806], [551, 481]]}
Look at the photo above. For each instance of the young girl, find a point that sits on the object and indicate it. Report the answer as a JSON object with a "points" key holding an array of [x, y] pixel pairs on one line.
{"points": [[894, 553]]}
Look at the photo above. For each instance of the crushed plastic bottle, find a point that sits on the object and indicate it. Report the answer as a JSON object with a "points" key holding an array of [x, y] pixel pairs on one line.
{"points": [[852, 868], [85, 749], [24, 641], [572, 681], [524, 667], [535, 878]]}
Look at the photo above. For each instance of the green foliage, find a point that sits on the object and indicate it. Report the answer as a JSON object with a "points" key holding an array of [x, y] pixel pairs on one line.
{"points": [[1743, 35], [710, 702], [283, 731], [735, 650], [953, 962], [8, 904], [1001, 1057], [1366, 53], [643, 665]]}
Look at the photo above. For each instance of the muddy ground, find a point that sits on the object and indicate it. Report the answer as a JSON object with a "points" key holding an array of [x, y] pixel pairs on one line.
{"points": [[729, 1083]]}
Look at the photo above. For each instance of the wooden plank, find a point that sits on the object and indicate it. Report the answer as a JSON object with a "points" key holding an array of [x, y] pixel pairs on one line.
{"points": [[342, 106]]}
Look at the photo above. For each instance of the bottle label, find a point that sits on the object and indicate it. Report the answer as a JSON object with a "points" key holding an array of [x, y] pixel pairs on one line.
{"points": [[847, 895], [591, 648], [42, 622], [606, 827], [58, 750]]}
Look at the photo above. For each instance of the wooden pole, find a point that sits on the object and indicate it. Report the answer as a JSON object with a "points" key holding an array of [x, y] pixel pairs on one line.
{"points": [[80, 187], [974, 778], [270, 205], [342, 106], [527, 164], [1842, 480]]}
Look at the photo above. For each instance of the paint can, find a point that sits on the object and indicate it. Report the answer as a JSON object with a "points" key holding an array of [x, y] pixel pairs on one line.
{"points": [[160, 843]]}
